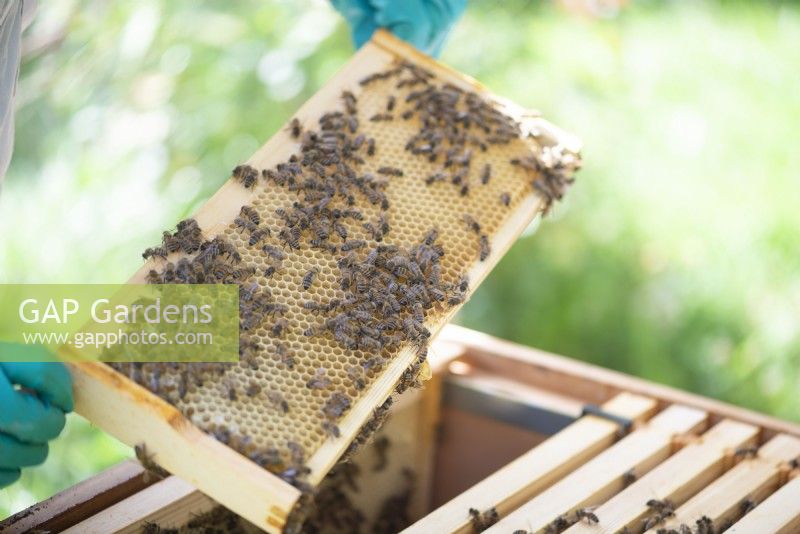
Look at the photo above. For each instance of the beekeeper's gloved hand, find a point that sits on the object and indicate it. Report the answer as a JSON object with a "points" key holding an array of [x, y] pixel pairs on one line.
{"points": [[423, 23], [34, 398]]}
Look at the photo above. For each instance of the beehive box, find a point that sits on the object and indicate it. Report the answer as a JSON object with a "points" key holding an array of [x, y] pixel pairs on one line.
{"points": [[500, 427], [500, 166]]}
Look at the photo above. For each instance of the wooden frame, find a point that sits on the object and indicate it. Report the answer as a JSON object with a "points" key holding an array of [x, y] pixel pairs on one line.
{"points": [[134, 415]]}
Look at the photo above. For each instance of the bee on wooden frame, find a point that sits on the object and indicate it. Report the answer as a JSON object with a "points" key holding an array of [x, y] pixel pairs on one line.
{"points": [[336, 405], [587, 514], [246, 174], [486, 174], [279, 327], [295, 128], [308, 278], [331, 430], [485, 248], [390, 171], [285, 355], [253, 389], [320, 380], [350, 102], [746, 452], [278, 401], [471, 223]]}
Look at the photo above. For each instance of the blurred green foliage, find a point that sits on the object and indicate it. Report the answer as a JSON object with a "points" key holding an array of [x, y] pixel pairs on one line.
{"points": [[675, 256]]}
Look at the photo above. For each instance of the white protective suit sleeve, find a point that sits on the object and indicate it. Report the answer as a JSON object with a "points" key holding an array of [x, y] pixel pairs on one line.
{"points": [[14, 16]]}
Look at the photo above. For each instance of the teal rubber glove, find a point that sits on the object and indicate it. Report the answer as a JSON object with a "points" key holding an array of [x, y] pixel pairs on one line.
{"points": [[33, 412], [423, 23]]}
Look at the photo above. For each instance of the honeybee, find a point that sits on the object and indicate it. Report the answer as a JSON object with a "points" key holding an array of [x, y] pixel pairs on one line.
{"points": [[381, 117], [296, 128], [285, 355], [336, 405], [331, 430], [257, 235], [587, 514], [353, 244], [435, 177], [253, 389], [376, 362], [486, 174], [505, 199], [629, 477], [155, 252], [230, 391], [483, 520], [472, 224], [290, 238], [320, 380], [390, 171], [485, 248], [350, 102], [356, 376], [705, 525], [279, 327], [250, 214], [557, 525], [146, 459], [277, 399], [246, 174], [308, 278], [746, 452], [274, 252]]}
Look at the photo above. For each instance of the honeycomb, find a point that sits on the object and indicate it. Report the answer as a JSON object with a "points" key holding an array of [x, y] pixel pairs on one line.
{"points": [[245, 400]]}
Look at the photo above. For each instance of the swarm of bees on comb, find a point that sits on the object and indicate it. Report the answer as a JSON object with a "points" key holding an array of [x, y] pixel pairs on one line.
{"points": [[341, 259]]}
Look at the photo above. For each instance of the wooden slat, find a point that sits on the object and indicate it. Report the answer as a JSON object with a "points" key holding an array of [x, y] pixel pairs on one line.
{"points": [[601, 477], [753, 478], [678, 478], [779, 514], [538, 469], [590, 383], [170, 503], [83, 499]]}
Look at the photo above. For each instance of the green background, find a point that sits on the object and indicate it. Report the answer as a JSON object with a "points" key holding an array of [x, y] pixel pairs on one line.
{"points": [[675, 256]]}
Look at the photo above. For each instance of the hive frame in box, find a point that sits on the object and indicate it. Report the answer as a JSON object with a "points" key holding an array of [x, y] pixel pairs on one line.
{"points": [[559, 476], [134, 415], [469, 361]]}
